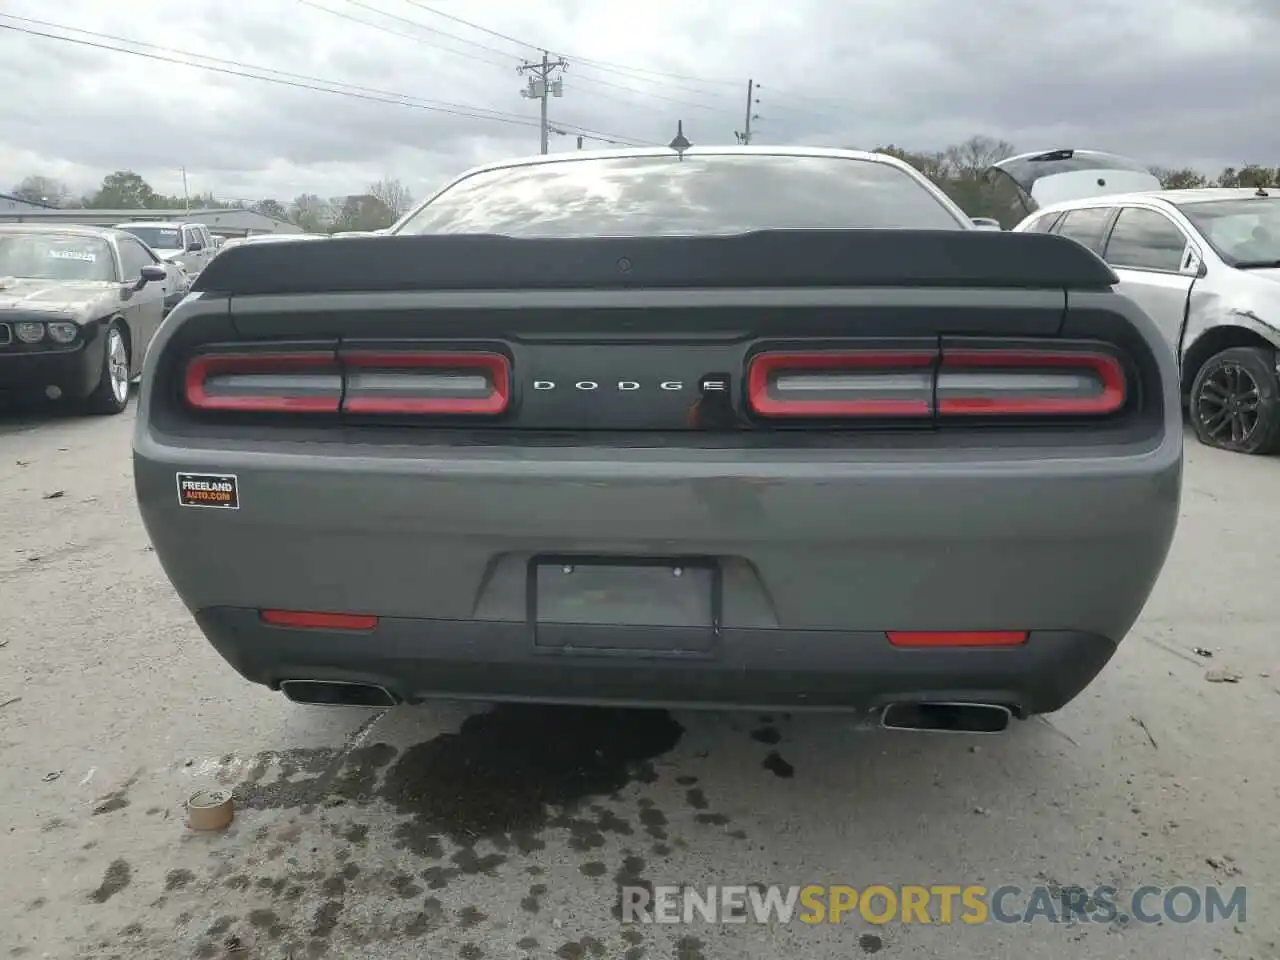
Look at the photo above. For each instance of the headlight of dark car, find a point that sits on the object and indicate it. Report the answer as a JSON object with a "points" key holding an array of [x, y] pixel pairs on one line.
{"points": [[62, 331]]}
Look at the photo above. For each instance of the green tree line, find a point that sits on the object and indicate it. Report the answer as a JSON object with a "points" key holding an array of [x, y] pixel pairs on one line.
{"points": [[381, 205]]}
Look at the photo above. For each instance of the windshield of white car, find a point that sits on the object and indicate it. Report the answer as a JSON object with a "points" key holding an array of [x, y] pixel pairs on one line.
{"points": [[701, 194], [1244, 232], [157, 238], [48, 256]]}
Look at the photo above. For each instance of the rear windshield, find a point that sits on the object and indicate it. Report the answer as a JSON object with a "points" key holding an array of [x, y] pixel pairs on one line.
{"points": [[1242, 232], [664, 195], [157, 238]]}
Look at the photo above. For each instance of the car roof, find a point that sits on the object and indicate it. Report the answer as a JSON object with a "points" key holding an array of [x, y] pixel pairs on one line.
{"points": [[1173, 198], [580, 156], [70, 229], [160, 223]]}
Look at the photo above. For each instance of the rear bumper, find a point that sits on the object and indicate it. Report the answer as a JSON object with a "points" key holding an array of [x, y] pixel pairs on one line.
{"points": [[432, 659], [821, 554]]}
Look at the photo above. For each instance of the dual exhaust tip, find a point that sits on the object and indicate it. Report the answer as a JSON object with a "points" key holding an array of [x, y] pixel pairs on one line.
{"points": [[946, 717], [932, 717], [338, 693]]}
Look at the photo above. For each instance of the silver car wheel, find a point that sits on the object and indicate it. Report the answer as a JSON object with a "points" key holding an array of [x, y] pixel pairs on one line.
{"points": [[118, 365]]}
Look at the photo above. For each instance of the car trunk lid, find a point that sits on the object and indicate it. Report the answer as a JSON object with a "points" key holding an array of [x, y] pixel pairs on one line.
{"points": [[1057, 176]]}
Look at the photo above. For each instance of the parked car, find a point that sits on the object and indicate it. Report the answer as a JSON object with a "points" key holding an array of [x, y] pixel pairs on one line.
{"points": [[259, 238], [1205, 265], [78, 307], [188, 243], [733, 426]]}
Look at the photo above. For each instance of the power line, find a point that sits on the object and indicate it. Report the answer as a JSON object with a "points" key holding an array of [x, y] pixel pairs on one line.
{"points": [[406, 36], [481, 59], [298, 81]]}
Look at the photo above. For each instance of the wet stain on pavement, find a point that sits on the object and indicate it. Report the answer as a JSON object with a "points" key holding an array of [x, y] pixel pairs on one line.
{"points": [[689, 948], [870, 943], [769, 735], [527, 943], [532, 903], [630, 874], [653, 819], [325, 920], [697, 799], [593, 868], [777, 766], [470, 917], [580, 949], [116, 799], [177, 879], [115, 879], [470, 951], [502, 770]]}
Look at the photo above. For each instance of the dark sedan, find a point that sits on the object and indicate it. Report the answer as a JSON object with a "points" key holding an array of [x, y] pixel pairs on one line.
{"points": [[78, 306], [754, 427]]}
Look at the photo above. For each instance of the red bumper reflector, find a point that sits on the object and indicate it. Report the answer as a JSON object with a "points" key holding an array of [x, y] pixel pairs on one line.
{"points": [[957, 638], [307, 620]]}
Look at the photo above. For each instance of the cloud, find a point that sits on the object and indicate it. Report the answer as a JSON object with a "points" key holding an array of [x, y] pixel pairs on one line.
{"points": [[1170, 81]]}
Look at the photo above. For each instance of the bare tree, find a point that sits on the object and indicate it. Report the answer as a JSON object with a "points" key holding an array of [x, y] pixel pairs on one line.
{"points": [[38, 189], [393, 195], [309, 212]]}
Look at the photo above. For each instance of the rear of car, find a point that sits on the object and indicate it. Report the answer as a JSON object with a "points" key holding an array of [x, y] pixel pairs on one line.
{"points": [[733, 428]]}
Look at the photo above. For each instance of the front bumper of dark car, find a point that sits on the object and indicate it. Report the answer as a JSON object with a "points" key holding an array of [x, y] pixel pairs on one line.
{"points": [[29, 371]]}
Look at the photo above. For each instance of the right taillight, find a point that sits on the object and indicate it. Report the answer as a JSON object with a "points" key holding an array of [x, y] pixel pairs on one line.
{"points": [[1051, 382]]}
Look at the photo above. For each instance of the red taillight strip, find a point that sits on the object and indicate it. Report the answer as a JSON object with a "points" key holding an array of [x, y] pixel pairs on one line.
{"points": [[310, 620], [493, 366], [764, 369], [202, 368], [957, 638], [1107, 369]]}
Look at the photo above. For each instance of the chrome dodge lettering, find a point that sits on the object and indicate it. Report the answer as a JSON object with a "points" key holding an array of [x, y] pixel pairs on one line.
{"points": [[628, 386]]}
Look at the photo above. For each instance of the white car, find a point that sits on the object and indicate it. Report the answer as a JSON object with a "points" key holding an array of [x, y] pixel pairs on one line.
{"points": [[1204, 264], [190, 244]]}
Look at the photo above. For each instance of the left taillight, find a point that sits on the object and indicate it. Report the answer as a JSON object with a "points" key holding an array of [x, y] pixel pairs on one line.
{"points": [[359, 382], [265, 382]]}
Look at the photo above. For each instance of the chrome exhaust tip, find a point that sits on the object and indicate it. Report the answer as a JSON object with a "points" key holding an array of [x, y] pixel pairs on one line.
{"points": [[338, 693], [946, 717]]}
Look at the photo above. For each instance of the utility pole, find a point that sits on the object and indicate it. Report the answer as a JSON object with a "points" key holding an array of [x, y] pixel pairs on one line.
{"points": [[542, 86], [186, 198], [744, 135]]}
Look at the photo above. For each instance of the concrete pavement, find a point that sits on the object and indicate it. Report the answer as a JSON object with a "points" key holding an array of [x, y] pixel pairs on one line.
{"points": [[473, 833]]}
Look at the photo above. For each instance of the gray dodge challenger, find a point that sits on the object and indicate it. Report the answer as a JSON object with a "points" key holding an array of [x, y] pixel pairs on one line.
{"points": [[720, 427]]}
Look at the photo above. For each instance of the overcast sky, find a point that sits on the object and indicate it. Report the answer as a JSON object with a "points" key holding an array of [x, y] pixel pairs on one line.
{"points": [[1174, 82]]}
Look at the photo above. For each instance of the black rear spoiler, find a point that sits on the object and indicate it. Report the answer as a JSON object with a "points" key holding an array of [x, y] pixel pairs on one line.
{"points": [[767, 258]]}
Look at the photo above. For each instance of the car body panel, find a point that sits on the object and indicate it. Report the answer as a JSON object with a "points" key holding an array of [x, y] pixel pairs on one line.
{"points": [[822, 542], [89, 304]]}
